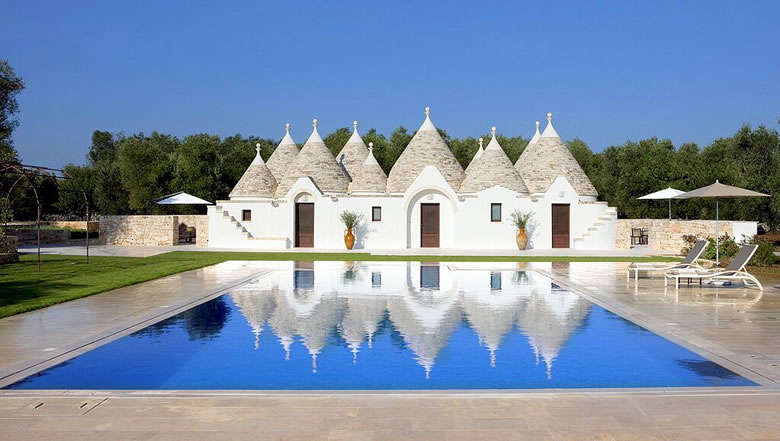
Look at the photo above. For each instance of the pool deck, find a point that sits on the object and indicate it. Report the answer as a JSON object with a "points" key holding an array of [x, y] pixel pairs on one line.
{"points": [[734, 326]]}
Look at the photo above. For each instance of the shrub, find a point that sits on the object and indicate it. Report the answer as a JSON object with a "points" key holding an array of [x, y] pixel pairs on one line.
{"points": [[728, 247], [765, 254], [351, 219], [521, 219]]}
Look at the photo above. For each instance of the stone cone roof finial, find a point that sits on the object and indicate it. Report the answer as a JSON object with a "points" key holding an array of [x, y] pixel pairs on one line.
{"points": [[353, 153], [283, 155], [480, 143], [427, 148], [316, 162], [549, 131], [369, 175], [492, 168], [545, 158]]}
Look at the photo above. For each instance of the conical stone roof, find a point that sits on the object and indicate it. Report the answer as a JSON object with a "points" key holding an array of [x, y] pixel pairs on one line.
{"points": [[315, 161], [283, 155], [493, 168], [257, 180], [354, 152], [544, 160], [475, 157], [369, 176], [425, 148]]}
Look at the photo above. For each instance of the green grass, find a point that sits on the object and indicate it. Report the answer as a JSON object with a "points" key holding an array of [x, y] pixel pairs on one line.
{"points": [[61, 278]]}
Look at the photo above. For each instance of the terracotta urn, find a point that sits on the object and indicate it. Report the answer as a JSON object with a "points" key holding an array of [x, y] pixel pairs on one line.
{"points": [[522, 239], [349, 239]]}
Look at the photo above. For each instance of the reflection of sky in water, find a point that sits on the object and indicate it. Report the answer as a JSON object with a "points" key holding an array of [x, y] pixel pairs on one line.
{"points": [[389, 326]]}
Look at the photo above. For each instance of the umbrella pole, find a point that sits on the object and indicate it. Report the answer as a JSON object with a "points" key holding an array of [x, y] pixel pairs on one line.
{"points": [[717, 231], [670, 209]]}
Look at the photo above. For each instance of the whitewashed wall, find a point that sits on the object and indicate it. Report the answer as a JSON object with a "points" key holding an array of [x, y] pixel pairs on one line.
{"points": [[464, 220]]}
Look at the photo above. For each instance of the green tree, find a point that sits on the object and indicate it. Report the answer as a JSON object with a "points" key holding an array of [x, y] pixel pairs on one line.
{"points": [[70, 198], [10, 86], [146, 165]]}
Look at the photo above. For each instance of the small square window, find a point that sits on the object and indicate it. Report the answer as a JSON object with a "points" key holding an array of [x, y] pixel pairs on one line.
{"points": [[246, 215], [376, 280], [376, 214], [495, 212]]}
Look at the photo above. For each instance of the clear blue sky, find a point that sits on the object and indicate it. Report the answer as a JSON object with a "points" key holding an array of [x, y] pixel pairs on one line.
{"points": [[689, 71]]}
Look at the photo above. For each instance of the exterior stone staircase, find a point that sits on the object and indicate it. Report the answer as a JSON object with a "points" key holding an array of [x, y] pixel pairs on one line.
{"points": [[599, 228], [232, 219]]}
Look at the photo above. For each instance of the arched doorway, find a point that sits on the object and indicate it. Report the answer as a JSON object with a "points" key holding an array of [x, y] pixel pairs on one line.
{"points": [[430, 220], [304, 221]]}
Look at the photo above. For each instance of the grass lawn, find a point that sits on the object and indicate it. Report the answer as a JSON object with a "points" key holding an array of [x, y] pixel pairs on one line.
{"points": [[62, 278]]}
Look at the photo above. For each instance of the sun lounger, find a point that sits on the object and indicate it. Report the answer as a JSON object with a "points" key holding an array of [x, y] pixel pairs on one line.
{"points": [[735, 271], [689, 262]]}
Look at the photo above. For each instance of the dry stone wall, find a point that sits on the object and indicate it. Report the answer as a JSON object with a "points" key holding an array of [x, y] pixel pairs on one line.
{"points": [[150, 230], [666, 235]]}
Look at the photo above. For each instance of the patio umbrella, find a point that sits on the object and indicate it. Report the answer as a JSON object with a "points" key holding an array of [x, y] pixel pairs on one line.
{"points": [[717, 191], [181, 198], [668, 193]]}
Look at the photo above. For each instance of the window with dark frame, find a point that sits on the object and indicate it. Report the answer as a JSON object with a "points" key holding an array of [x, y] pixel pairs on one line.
{"points": [[246, 215], [495, 212], [376, 214]]}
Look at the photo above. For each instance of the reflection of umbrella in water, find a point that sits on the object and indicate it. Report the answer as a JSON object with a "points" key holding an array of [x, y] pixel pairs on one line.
{"points": [[361, 321], [256, 306], [717, 191]]}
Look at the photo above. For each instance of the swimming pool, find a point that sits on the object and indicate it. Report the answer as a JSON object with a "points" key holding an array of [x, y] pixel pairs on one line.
{"points": [[389, 326]]}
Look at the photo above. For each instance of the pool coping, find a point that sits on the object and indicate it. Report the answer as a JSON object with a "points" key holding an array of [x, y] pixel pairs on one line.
{"points": [[22, 370]]}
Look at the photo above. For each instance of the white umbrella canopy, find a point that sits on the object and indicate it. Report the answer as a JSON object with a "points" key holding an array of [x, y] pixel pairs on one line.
{"points": [[667, 193], [181, 198], [717, 191]]}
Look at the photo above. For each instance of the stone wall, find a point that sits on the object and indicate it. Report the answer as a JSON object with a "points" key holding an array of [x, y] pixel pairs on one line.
{"points": [[75, 225], [201, 224], [8, 250], [666, 235], [139, 230], [150, 230], [29, 236]]}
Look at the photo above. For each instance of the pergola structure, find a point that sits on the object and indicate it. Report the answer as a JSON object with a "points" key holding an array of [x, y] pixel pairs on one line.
{"points": [[23, 176]]}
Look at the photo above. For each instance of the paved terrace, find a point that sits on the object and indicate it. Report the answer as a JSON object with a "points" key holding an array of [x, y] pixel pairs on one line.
{"points": [[735, 326]]}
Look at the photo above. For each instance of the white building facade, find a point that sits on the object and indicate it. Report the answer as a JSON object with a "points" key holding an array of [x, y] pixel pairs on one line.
{"points": [[427, 200]]}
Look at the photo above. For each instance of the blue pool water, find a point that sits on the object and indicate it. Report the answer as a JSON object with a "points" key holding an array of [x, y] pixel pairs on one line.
{"points": [[383, 326]]}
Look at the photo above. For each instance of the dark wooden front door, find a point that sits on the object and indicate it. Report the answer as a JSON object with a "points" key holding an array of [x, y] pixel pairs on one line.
{"points": [[429, 225], [304, 224], [560, 225]]}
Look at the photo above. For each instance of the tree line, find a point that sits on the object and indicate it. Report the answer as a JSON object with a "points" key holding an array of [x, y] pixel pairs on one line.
{"points": [[124, 174]]}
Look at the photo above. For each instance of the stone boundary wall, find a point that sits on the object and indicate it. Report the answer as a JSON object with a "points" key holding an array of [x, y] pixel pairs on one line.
{"points": [[666, 235], [201, 224], [75, 225], [150, 230], [29, 236], [8, 250]]}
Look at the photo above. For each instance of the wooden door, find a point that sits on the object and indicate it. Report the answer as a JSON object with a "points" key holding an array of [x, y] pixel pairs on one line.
{"points": [[429, 225], [304, 224], [560, 225]]}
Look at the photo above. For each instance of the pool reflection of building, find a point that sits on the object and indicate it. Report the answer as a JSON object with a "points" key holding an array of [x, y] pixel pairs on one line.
{"points": [[424, 303]]}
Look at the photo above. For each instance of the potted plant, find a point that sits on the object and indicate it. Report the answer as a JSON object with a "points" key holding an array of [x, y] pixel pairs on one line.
{"points": [[520, 220], [351, 219]]}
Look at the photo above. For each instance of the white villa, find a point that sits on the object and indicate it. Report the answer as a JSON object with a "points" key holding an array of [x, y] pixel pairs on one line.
{"points": [[427, 200]]}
